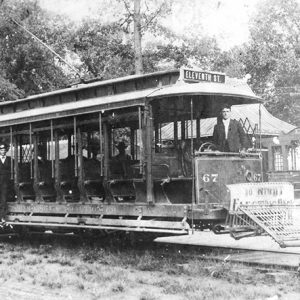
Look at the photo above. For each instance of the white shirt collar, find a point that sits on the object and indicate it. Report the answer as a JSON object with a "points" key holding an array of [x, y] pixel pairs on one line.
{"points": [[226, 121], [226, 125]]}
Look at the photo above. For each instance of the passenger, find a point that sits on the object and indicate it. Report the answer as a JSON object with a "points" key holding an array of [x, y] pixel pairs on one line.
{"points": [[92, 166], [5, 170], [123, 158], [229, 135], [95, 149], [44, 168], [41, 155]]}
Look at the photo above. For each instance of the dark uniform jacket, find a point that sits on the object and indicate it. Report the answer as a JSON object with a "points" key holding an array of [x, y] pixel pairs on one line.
{"points": [[4, 184], [236, 138], [5, 169]]}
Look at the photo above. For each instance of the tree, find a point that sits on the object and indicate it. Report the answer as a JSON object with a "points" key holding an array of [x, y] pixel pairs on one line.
{"points": [[137, 37], [273, 56], [27, 64], [103, 50], [178, 51], [143, 21], [9, 91]]}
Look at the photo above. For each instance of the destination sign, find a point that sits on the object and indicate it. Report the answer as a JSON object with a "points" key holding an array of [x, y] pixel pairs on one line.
{"points": [[198, 76], [262, 193]]}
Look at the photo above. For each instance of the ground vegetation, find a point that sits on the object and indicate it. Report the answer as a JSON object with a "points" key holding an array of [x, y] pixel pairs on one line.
{"points": [[109, 268]]}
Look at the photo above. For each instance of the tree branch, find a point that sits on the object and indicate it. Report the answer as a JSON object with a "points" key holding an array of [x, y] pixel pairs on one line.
{"points": [[154, 15], [127, 8]]}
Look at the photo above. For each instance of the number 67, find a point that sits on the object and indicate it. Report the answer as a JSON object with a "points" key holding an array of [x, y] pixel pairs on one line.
{"points": [[210, 177]]}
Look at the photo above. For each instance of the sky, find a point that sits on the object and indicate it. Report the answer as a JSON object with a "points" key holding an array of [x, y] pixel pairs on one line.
{"points": [[226, 20]]}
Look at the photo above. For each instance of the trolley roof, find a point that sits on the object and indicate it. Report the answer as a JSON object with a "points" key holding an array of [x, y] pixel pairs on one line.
{"points": [[232, 88]]}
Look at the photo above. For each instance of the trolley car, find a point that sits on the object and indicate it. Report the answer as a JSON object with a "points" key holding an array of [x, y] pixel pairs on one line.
{"points": [[66, 173]]}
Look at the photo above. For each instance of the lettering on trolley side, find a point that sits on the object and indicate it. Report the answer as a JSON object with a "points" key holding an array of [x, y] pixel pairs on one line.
{"points": [[260, 195]]}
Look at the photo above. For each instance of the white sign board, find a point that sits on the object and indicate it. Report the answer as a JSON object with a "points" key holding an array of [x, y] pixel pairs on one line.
{"points": [[262, 193]]}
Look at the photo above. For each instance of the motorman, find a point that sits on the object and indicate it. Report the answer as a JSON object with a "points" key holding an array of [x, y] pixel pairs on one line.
{"points": [[229, 135]]}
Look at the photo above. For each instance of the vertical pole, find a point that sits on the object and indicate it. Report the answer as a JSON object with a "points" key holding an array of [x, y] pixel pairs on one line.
{"points": [[160, 138], [16, 177], [260, 145], [260, 127], [182, 130], [132, 152], [30, 150], [89, 134], [175, 133], [35, 160], [56, 170], [148, 153], [106, 150], [141, 142], [176, 127], [52, 149], [156, 138], [193, 161], [69, 145], [198, 135], [192, 128], [75, 147], [100, 144], [80, 166], [21, 149], [11, 154]]}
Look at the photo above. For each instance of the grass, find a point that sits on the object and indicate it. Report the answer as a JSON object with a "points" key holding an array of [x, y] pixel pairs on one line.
{"points": [[100, 270]]}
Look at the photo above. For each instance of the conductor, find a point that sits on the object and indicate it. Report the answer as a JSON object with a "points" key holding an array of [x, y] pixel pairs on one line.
{"points": [[229, 135], [4, 178]]}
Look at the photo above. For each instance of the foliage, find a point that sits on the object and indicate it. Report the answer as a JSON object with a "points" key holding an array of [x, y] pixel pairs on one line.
{"points": [[231, 62], [272, 56], [152, 12], [103, 49], [178, 51], [27, 64], [8, 90]]}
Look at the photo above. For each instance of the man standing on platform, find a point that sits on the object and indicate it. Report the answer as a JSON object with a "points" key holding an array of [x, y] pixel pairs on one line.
{"points": [[5, 170], [229, 135]]}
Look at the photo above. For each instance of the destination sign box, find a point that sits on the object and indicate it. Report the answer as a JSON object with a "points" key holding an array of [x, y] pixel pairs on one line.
{"points": [[262, 194], [198, 76]]}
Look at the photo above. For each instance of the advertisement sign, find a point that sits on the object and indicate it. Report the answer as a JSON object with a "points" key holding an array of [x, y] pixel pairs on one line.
{"points": [[263, 193]]}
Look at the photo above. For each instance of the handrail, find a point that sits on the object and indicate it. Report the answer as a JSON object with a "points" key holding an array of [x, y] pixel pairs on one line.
{"points": [[218, 153]]}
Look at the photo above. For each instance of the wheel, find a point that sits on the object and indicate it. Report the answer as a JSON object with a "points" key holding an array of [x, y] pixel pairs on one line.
{"points": [[207, 146]]}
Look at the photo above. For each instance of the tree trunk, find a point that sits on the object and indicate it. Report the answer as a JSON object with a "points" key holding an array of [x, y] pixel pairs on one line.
{"points": [[137, 38]]}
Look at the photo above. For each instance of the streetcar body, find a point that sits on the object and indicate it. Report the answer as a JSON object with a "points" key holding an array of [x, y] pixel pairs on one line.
{"points": [[67, 173]]}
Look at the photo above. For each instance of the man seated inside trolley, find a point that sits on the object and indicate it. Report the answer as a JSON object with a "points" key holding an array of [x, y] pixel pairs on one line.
{"points": [[121, 161]]}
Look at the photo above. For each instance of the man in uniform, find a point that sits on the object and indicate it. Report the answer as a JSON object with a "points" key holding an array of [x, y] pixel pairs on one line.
{"points": [[229, 135], [5, 170]]}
